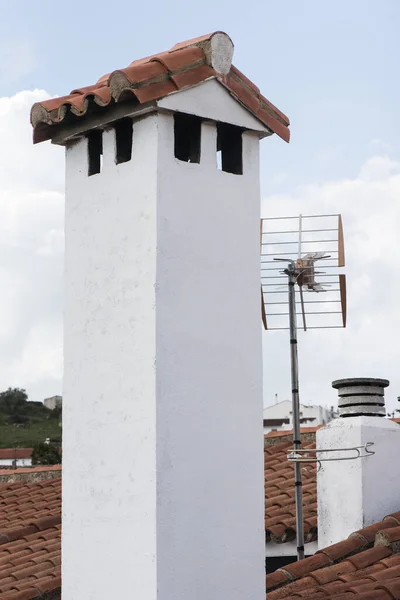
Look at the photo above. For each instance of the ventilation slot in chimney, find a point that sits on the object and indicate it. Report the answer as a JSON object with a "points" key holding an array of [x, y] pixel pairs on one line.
{"points": [[123, 140], [229, 148], [187, 137], [95, 151]]}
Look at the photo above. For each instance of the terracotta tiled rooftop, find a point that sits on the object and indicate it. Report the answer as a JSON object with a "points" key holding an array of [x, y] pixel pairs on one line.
{"points": [[149, 79], [366, 566], [14, 453], [30, 523], [30, 535], [280, 521]]}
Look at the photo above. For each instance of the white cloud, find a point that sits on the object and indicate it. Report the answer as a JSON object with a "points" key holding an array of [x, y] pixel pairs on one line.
{"points": [[370, 207], [31, 253]]}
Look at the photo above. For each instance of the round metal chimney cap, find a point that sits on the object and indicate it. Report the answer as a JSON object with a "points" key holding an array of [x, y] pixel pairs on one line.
{"points": [[363, 381], [361, 396]]}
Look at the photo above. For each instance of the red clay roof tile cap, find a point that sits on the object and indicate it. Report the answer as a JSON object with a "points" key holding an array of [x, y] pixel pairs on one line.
{"points": [[389, 537], [218, 48], [219, 52]]}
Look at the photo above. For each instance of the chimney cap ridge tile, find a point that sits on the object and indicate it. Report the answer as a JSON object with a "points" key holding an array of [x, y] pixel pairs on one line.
{"points": [[152, 78]]}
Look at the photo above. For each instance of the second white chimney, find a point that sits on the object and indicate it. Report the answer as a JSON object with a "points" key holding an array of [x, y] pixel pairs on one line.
{"points": [[354, 493]]}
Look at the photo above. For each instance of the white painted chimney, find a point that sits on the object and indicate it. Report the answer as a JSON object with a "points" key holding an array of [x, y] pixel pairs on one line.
{"points": [[353, 494], [163, 477]]}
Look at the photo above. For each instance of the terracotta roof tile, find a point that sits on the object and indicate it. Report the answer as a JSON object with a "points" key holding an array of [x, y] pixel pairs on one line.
{"points": [[388, 537], [181, 59], [14, 453], [366, 566], [154, 77], [369, 557], [192, 77], [280, 511], [393, 517], [369, 533], [30, 539], [289, 432]]}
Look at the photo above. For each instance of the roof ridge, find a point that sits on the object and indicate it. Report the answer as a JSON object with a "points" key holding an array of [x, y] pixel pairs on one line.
{"points": [[149, 79]]}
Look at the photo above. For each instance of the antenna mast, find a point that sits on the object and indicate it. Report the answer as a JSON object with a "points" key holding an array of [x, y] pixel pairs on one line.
{"points": [[294, 367], [301, 275]]}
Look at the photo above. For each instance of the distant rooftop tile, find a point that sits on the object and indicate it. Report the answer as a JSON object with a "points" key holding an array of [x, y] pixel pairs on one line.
{"points": [[15, 453]]}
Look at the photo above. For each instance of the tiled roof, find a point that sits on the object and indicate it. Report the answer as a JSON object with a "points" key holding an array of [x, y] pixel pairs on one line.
{"points": [[14, 453], [366, 566], [30, 522], [284, 433], [34, 469], [280, 515], [149, 79], [30, 535]]}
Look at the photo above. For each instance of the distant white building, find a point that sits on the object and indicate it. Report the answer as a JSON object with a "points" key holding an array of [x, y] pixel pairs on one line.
{"points": [[53, 402], [17, 457], [279, 417]]}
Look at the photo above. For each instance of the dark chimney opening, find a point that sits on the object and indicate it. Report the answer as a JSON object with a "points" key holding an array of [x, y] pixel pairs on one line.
{"points": [[230, 148], [187, 137], [95, 151], [123, 140]]}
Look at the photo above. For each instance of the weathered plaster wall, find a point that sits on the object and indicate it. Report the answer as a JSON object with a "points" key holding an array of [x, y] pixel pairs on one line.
{"points": [[209, 375], [289, 549], [353, 494], [163, 496], [109, 412]]}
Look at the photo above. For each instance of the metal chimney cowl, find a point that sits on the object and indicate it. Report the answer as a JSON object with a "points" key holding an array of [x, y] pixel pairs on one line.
{"points": [[361, 396]]}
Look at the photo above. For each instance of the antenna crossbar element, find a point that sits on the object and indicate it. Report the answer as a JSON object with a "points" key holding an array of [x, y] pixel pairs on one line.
{"points": [[298, 243]]}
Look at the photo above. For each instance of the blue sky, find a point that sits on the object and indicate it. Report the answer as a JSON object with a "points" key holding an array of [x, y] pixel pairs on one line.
{"points": [[332, 67]]}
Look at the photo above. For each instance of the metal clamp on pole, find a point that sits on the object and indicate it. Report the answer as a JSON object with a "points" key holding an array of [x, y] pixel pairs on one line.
{"points": [[303, 456]]}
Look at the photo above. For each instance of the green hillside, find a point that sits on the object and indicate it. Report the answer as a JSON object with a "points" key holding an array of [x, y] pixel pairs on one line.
{"points": [[24, 423]]}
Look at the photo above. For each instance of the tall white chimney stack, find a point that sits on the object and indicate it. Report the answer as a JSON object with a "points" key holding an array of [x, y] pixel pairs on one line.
{"points": [[163, 478], [353, 494]]}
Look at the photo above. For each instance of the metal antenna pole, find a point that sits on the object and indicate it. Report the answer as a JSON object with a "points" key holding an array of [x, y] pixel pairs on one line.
{"points": [[289, 241], [294, 365]]}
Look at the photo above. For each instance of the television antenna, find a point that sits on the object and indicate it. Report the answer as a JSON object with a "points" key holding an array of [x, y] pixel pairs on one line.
{"points": [[304, 243]]}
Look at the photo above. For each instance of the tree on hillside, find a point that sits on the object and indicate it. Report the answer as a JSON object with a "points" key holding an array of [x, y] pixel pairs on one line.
{"points": [[12, 399], [45, 454], [13, 403]]}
